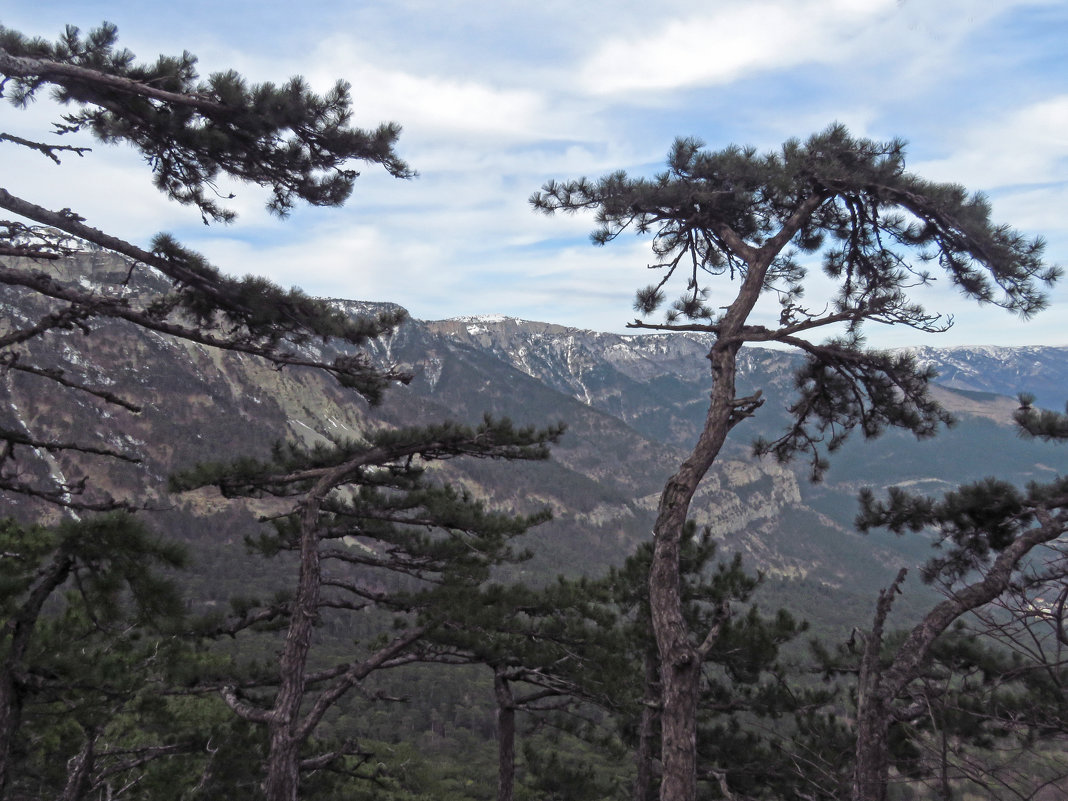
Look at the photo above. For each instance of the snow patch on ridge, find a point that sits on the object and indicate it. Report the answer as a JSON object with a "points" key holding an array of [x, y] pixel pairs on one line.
{"points": [[483, 318]]}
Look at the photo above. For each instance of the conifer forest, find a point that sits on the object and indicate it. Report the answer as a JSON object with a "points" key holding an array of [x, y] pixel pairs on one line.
{"points": [[260, 545]]}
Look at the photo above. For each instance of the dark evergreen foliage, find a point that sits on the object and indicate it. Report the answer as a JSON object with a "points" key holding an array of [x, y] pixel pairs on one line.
{"points": [[557, 660], [371, 530], [88, 635], [1042, 423], [192, 133], [996, 679], [189, 131], [849, 205]]}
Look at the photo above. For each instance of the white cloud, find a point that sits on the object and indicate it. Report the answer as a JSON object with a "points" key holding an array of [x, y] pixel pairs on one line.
{"points": [[1028, 145], [1042, 209], [352, 261], [894, 47], [731, 43], [428, 104]]}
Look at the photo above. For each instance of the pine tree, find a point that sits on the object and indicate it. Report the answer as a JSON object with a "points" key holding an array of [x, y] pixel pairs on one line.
{"points": [[103, 580], [553, 651], [1001, 555], [370, 529], [191, 132], [764, 219]]}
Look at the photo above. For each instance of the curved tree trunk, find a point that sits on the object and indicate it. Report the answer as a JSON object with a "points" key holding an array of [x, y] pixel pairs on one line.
{"points": [[15, 639], [680, 655], [680, 660], [879, 687]]}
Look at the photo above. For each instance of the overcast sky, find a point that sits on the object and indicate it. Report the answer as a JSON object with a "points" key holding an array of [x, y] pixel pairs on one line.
{"points": [[497, 98]]}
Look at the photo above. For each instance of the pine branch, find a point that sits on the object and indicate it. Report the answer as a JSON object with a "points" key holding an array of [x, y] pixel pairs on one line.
{"points": [[241, 708], [352, 370], [39, 69], [356, 672], [18, 438], [46, 149], [10, 361]]}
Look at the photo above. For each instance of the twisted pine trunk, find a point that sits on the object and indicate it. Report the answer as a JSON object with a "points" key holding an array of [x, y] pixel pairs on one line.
{"points": [[284, 738], [680, 657]]}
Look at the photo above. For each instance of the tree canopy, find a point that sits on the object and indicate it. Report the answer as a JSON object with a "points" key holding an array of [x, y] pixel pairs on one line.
{"points": [[849, 202], [766, 219], [363, 518], [192, 132]]}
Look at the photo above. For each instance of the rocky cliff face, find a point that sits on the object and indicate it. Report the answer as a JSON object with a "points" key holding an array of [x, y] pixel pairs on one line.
{"points": [[633, 404]]}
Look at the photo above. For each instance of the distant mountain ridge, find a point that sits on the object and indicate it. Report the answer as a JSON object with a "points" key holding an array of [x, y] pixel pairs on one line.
{"points": [[633, 404], [599, 368], [1040, 369]]}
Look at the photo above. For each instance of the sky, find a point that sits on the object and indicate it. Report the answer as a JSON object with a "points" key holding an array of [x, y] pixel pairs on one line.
{"points": [[496, 98]]}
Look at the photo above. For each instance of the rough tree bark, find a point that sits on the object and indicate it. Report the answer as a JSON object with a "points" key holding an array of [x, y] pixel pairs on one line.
{"points": [[680, 654], [505, 735], [873, 714], [283, 764], [881, 687]]}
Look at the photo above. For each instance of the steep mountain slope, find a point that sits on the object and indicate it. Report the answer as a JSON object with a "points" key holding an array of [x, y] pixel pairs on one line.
{"points": [[658, 385], [633, 405]]}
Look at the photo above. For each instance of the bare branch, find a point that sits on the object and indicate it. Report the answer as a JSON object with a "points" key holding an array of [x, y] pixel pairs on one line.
{"points": [[47, 150]]}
